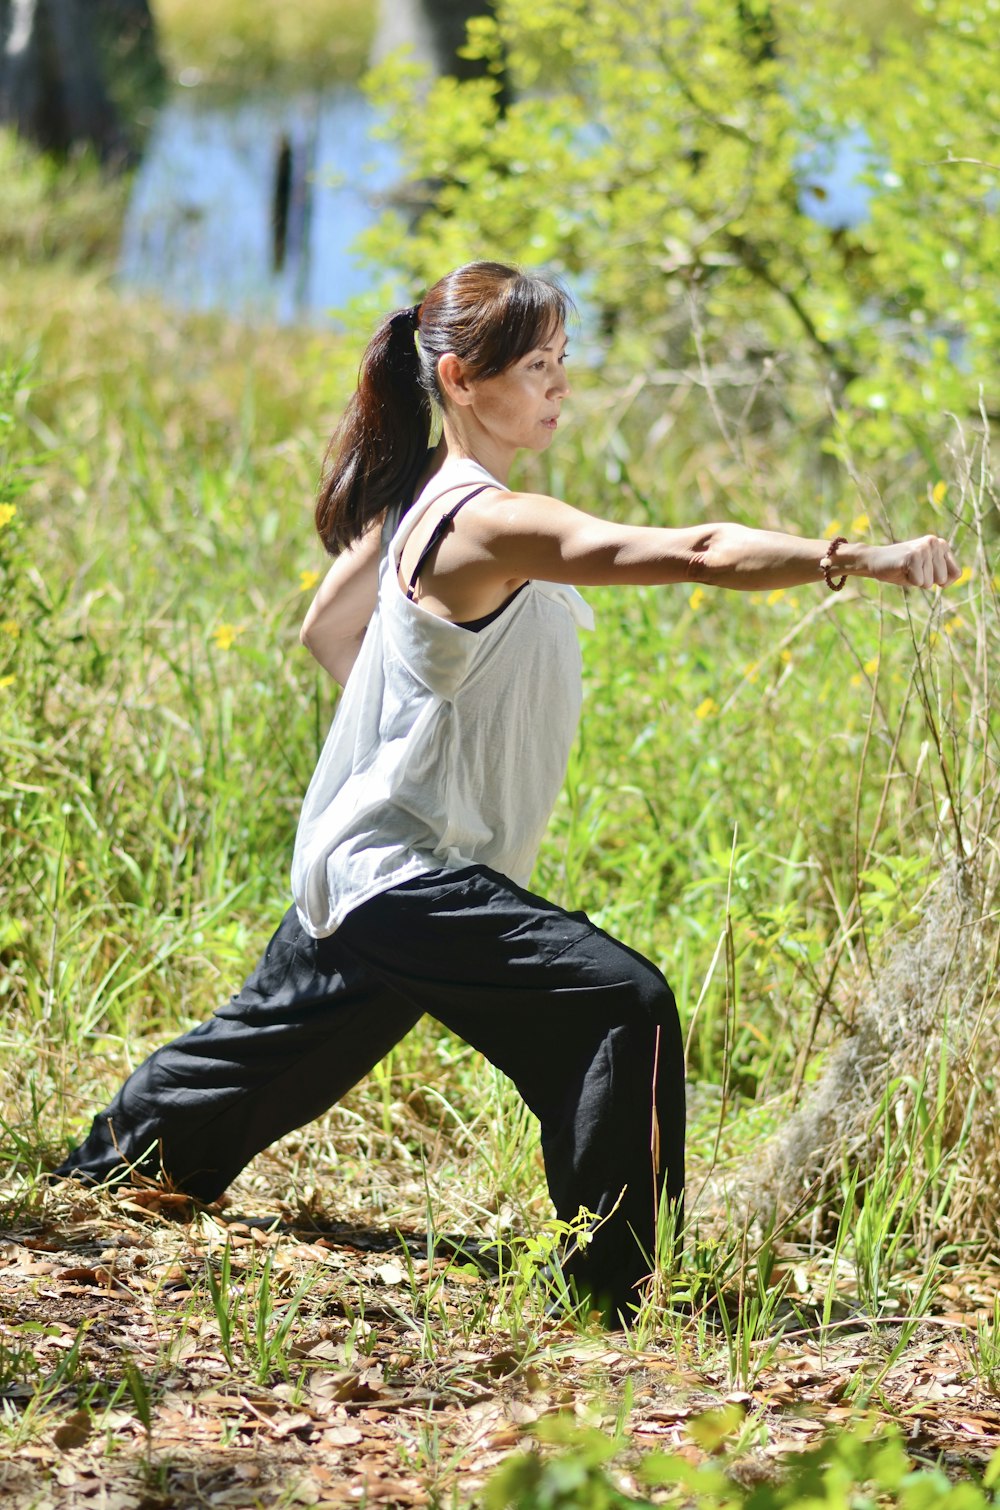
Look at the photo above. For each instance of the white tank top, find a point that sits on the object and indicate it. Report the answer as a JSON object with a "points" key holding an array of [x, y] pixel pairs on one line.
{"points": [[448, 747]]}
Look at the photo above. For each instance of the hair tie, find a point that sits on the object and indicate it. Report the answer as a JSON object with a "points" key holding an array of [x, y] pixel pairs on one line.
{"points": [[406, 318]]}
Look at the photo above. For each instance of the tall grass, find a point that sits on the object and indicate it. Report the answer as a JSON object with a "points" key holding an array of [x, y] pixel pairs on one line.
{"points": [[765, 793], [70, 211]]}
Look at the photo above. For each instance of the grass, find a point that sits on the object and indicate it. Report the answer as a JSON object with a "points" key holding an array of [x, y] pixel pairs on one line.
{"points": [[767, 797], [70, 212], [301, 43], [152, 486]]}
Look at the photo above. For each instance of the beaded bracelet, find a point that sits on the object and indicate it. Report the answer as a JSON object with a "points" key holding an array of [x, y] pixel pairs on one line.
{"points": [[827, 561]]}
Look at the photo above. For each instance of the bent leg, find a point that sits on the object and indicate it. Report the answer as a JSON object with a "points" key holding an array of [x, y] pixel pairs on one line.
{"points": [[585, 1027], [309, 1023]]}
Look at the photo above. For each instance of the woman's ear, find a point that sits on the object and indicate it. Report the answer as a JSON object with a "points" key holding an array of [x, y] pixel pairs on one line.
{"points": [[453, 382]]}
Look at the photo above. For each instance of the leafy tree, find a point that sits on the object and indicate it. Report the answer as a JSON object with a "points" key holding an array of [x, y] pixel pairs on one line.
{"points": [[660, 156]]}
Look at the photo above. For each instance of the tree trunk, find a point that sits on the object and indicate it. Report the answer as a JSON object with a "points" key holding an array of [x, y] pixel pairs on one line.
{"points": [[125, 36], [64, 64]]}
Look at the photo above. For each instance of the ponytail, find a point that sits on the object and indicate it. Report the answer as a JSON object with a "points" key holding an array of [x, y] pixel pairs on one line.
{"points": [[376, 451], [490, 315]]}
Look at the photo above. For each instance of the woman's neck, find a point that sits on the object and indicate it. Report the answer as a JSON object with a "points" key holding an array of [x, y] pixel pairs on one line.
{"points": [[456, 445], [437, 458]]}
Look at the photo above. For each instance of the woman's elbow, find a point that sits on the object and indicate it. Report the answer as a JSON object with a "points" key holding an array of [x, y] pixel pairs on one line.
{"points": [[717, 552], [323, 651], [307, 634], [706, 554]]}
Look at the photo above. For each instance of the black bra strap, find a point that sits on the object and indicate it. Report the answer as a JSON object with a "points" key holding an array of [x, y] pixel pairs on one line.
{"points": [[439, 529]]}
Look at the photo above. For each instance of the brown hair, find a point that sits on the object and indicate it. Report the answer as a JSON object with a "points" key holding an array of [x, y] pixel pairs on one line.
{"points": [[490, 315]]}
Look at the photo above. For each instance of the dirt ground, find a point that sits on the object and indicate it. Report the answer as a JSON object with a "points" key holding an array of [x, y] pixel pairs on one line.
{"points": [[397, 1380]]}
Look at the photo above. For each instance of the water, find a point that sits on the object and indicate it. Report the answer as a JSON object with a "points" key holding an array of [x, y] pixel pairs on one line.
{"points": [[253, 207], [831, 182]]}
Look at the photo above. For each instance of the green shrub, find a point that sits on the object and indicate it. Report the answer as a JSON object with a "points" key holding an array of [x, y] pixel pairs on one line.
{"points": [[854, 1469]]}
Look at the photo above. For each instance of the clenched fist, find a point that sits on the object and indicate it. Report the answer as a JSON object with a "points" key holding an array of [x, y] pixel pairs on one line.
{"points": [[927, 562]]}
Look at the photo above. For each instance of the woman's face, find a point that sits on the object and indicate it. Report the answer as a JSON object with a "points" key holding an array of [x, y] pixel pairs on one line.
{"points": [[519, 408]]}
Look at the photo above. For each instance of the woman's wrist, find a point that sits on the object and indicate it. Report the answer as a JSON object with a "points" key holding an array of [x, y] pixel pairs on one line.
{"points": [[845, 558]]}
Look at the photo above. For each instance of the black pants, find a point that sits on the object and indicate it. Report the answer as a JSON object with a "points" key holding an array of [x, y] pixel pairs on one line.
{"points": [[586, 1028]]}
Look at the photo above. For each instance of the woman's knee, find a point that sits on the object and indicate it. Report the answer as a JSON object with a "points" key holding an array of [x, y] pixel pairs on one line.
{"points": [[646, 986]]}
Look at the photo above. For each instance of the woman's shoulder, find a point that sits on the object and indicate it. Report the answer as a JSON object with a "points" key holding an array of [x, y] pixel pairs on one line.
{"points": [[456, 472], [451, 477]]}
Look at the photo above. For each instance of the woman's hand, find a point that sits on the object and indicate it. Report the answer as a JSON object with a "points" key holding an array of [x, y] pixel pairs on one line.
{"points": [[927, 562]]}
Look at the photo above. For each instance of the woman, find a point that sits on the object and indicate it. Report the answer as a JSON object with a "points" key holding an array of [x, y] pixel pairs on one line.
{"points": [[449, 619]]}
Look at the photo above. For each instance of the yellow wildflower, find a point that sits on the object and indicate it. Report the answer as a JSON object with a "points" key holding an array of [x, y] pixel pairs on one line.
{"points": [[833, 528], [752, 671], [11, 627], [965, 577], [856, 679], [956, 623], [7, 681], [786, 656], [7, 512], [225, 635], [697, 598], [775, 596], [308, 580], [871, 666], [859, 524], [939, 490], [705, 708]]}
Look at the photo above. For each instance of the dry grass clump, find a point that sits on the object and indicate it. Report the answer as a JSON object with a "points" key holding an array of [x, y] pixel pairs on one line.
{"points": [[901, 1119], [911, 1090]]}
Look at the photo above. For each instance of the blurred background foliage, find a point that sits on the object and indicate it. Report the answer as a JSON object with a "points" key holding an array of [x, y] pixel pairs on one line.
{"points": [[235, 45], [667, 159]]}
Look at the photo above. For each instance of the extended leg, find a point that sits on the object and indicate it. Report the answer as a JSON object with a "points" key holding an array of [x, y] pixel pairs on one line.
{"points": [[308, 1024], [586, 1028]]}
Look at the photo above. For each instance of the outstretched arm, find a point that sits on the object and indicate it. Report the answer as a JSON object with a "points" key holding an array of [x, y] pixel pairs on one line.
{"points": [[529, 535], [338, 616]]}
